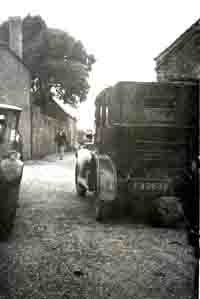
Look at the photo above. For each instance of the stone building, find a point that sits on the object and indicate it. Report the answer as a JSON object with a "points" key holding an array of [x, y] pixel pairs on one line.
{"points": [[37, 126], [181, 60], [15, 80]]}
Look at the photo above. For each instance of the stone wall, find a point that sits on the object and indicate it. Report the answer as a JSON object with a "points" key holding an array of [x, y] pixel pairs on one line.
{"points": [[43, 133], [72, 132], [181, 62], [15, 90], [53, 110], [44, 128]]}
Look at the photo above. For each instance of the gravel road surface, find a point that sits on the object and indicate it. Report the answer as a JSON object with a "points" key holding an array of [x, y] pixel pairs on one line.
{"points": [[58, 250]]}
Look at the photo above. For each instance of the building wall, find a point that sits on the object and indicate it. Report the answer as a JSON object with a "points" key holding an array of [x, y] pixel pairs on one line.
{"points": [[15, 90], [72, 132], [43, 133], [38, 139], [69, 123], [182, 62], [44, 128]]}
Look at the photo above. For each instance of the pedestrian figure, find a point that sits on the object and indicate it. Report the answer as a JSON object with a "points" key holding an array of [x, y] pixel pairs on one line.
{"points": [[61, 141]]}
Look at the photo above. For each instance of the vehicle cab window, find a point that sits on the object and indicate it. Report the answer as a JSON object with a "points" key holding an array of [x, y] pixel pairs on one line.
{"points": [[3, 126], [8, 125]]}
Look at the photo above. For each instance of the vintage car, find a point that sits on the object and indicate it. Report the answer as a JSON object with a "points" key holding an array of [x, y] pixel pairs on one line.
{"points": [[11, 166], [145, 139]]}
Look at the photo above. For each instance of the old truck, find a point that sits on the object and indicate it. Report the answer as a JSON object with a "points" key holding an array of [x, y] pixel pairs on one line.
{"points": [[146, 138], [11, 166]]}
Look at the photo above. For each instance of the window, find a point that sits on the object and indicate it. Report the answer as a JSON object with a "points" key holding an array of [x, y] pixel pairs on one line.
{"points": [[2, 126]]}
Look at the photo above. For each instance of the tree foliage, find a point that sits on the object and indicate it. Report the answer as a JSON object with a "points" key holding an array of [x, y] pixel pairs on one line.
{"points": [[55, 59]]}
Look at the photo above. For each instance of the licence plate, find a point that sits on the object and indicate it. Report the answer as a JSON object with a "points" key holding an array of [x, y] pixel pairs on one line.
{"points": [[149, 186]]}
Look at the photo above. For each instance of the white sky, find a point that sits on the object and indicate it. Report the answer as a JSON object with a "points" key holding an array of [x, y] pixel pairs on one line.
{"points": [[125, 36]]}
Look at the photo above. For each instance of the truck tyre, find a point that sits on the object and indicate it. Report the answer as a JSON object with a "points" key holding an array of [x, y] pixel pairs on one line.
{"points": [[80, 190], [9, 210], [167, 211]]}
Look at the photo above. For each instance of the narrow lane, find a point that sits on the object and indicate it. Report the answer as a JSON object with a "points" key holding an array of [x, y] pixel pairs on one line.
{"points": [[58, 250]]}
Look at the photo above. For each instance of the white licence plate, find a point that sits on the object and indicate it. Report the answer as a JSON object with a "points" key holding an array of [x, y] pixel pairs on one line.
{"points": [[150, 186]]}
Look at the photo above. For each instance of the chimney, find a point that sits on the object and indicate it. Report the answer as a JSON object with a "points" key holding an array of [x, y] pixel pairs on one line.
{"points": [[15, 35]]}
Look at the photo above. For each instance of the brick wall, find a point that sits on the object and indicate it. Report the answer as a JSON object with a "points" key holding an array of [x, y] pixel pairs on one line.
{"points": [[15, 90]]}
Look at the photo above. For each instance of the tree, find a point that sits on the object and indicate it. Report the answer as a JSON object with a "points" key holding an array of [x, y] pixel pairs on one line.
{"points": [[55, 59]]}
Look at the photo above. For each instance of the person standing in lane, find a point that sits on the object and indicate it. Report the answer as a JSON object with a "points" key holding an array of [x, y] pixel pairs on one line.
{"points": [[61, 142]]}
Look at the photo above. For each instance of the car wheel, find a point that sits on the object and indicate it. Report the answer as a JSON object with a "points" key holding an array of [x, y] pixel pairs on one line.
{"points": [[80, 190], [11, 196]]}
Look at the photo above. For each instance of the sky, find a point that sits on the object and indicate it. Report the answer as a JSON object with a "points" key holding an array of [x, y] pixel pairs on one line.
{"points": [[125, 36]]}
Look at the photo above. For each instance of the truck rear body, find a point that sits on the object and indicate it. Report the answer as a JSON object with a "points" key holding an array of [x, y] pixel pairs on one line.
{"points": [[148, 130]]}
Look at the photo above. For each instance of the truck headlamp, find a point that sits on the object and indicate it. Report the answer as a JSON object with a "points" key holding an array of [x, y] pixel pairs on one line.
{"points": [[14, 155]]}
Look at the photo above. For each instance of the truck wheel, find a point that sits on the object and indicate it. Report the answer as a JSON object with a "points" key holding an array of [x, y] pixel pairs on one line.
{"points": [[9, 211], [80, 190], [167, 211]]}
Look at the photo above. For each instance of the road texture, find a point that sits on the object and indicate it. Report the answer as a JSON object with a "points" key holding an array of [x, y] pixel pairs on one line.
{"points": [[58, 250]]}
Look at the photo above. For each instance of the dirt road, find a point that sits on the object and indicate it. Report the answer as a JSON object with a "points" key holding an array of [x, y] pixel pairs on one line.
{"points": [[58, 250]]}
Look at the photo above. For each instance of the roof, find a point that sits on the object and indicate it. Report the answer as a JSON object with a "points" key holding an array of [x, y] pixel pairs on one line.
{"points": [[10, 107], [66, 108], [178, 42]]}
